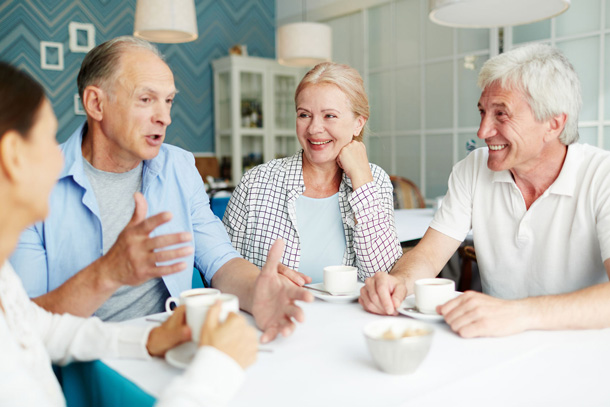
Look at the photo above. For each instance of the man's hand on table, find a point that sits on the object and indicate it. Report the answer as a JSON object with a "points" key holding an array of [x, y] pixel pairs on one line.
{"points": [[133, 259], [382, 294], [295, 277], [173, 332], [273, 305], [474, 314]]}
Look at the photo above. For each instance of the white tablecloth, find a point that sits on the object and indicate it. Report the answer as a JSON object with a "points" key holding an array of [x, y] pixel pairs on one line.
{"points": [[326, 363], [411, 224]]}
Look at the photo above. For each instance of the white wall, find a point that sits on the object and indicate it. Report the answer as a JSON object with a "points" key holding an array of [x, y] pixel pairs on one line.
{"points": [[421, 77]]}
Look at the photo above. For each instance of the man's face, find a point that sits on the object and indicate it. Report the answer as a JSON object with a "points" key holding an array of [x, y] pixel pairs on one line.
{"points": [[137, 112], [515, 139]]}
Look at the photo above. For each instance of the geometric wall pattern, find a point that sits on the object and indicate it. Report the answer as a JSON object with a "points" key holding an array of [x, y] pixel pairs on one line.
{"points": [[221, 23]]}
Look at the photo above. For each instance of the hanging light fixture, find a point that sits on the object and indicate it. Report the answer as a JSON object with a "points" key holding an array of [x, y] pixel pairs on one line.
{"points": [[493, 13], [166, 21], [304, 43]]}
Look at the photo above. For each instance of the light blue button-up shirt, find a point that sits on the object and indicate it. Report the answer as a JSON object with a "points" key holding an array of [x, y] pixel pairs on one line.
{"points": [[51, 252]]}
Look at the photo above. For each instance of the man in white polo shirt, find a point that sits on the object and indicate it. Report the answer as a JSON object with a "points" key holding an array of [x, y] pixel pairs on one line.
{"points": [[537, 202]]}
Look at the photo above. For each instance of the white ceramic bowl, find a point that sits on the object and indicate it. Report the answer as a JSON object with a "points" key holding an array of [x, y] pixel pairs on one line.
{"points": [[404, 354]]}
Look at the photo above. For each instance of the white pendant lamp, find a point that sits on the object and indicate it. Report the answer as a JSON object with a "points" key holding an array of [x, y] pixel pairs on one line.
{"points": [[166, 21], [304, 43], [493, 13]]}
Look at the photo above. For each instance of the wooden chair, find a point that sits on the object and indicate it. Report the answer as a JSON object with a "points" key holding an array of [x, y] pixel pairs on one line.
{"points": [[468, 257], [406, 194]]}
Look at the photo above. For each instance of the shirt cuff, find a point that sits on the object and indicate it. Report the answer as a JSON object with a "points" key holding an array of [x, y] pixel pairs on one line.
{"points": [[364, 202], [454, 234], [132, 341]]}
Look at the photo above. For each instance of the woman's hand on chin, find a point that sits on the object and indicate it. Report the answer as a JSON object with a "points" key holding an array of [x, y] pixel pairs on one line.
{"points": [[355, 163]]}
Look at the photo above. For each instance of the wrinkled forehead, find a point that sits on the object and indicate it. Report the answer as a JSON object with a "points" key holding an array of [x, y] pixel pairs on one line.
{"points": [[323, 93], [506, 91], [143, 69]]}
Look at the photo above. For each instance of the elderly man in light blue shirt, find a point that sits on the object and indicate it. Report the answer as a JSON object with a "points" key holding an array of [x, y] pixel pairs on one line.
{"points": [[98, 251]]}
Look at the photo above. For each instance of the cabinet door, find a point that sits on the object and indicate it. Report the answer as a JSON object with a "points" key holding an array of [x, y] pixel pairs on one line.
{"points": [[251, 99], [223, 87], [252, 147], [284, 126], [283, 92]]}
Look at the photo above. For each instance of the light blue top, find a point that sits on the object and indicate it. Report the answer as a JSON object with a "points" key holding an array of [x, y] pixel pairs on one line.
{"points": [[70, 239], [321, 235]]}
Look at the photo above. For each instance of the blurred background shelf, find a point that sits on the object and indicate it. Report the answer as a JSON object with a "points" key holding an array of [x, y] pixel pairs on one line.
{"points": [[254, 112]]}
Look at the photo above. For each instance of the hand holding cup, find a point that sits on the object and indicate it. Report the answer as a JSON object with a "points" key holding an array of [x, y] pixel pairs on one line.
{"points": [[233, 336], [432, 292], [211, 292]]}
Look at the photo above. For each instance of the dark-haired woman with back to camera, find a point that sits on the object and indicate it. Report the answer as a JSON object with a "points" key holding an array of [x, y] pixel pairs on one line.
{"points": [[30, 337]]}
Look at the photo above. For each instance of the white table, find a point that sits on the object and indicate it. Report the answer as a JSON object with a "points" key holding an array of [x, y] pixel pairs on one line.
{"points": [[411, 224], [326, 363]]}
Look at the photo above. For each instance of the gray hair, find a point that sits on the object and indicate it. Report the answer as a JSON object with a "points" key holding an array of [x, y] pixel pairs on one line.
{"points": [[102, 63], [547, 79]]}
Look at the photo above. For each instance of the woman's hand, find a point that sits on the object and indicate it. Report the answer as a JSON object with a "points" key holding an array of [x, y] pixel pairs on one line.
{"points": [[234, 336], [170, 334], [355, 163]]}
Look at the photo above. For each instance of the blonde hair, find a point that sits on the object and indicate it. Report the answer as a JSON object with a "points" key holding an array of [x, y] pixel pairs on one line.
{"points": [[347, 79]]}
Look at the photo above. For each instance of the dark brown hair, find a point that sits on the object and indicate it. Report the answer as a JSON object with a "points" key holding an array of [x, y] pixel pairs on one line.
{"points": [[20, 100]]}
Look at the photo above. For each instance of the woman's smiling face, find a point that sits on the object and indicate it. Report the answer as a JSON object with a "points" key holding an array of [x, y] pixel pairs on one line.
{"points": [[325, 123]]}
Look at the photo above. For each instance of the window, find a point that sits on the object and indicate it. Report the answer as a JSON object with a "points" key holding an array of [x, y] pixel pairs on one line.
{"points": [[421, 80]]}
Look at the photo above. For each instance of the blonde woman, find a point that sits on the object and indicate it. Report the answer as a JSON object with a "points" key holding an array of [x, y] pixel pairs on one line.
{"points": [[327, 202]]}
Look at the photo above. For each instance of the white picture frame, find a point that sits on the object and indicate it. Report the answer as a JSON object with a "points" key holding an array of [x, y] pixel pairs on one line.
{"points": [[52, 55], [81, 46], [78, 106]]}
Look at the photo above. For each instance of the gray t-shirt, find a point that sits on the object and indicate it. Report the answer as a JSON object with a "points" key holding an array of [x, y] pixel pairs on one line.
{"points": [[114, 194]]}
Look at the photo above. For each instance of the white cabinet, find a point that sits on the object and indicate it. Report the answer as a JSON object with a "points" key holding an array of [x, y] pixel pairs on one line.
{"points": [[254, 112]]}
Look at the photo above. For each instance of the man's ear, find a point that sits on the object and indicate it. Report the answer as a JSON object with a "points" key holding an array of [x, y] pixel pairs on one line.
{"points": [[93, 100], [556, 124], [11, 154]]}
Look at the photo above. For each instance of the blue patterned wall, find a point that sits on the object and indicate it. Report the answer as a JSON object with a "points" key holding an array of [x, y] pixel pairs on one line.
{"points": [[222, 24]]}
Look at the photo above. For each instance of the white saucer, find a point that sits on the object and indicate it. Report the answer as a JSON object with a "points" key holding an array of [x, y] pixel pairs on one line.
{"points": [[182, 355], [408, 308], [337, 299]]}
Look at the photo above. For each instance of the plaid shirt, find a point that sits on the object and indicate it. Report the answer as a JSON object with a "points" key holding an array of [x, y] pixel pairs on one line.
{"points": [[263, 209]]}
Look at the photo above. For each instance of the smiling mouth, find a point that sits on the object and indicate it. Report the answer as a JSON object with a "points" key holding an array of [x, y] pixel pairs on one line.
{"points": [[319, 143], [497, 147]]}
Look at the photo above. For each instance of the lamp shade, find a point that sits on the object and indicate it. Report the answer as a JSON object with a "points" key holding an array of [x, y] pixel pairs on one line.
{"points": [[493, 13], [304, 44], [166, 21]]}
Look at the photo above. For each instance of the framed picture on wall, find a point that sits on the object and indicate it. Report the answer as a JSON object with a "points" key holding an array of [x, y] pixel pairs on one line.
{"points": [[78, 106], [82, 36], [52, 55]]}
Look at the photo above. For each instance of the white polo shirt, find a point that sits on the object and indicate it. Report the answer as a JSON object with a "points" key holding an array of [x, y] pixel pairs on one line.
{"points": [[557, 246]]}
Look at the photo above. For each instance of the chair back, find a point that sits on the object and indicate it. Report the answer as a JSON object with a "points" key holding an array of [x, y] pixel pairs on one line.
{"points": [[406, 194], [219, 199]]}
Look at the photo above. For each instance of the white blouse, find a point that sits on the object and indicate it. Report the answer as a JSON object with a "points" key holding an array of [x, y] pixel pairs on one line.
{"points": [[30, 338]]}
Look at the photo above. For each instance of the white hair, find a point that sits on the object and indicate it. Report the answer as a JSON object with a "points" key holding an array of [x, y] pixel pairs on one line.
{"points": [[547, 79]]}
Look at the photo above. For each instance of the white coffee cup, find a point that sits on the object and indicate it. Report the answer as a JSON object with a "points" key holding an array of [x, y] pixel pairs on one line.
{"points": [[197, 308], [212, 292], [340, 279], [432, 292]]}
